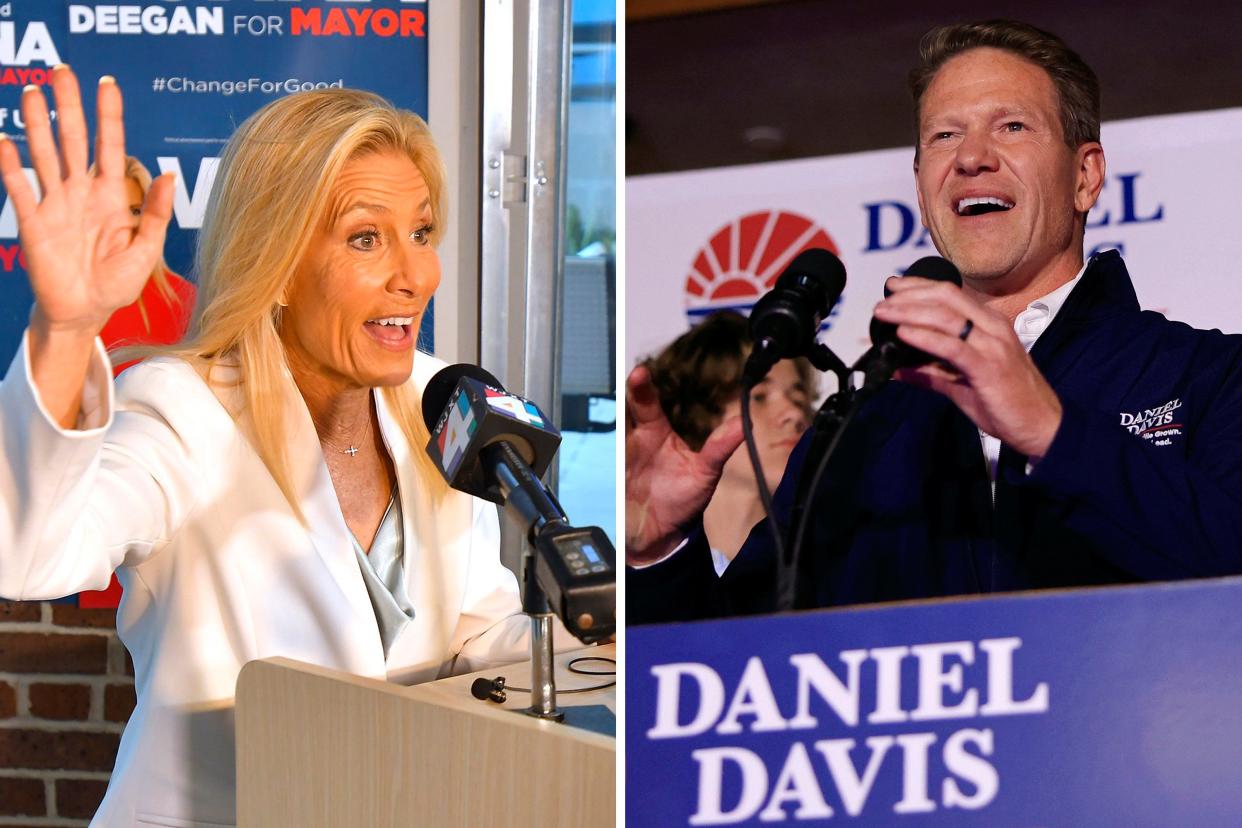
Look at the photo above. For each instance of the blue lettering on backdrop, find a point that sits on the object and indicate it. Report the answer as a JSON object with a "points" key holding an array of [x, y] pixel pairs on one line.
{"points": [[191, 74], [1129, 200], [907, 219], [875, 212], [1101, 216]]}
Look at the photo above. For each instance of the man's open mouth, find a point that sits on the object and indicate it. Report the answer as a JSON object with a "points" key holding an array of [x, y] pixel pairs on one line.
{"points": [[978, 206]]}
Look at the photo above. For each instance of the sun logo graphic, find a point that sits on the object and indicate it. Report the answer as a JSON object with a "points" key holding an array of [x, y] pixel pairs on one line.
{"points": [[741, 261]]}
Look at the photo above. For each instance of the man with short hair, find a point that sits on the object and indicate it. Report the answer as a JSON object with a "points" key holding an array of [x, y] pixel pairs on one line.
{"points": [[1004, 464]]}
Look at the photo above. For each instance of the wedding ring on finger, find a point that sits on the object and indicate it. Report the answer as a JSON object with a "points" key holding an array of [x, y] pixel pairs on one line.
{"points": [[966, 329]]}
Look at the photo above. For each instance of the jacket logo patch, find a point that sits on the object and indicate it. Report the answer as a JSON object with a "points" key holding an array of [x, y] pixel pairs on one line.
{"points": [[1156, 424]]}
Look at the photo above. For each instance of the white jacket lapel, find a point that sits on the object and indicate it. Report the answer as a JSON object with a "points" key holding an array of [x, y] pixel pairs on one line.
{"points": [[437, 538], [326, 524], [328, 533]]}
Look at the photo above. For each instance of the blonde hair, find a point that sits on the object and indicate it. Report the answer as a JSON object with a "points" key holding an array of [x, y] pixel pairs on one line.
{"points": [[271, 193], [137, 172]]}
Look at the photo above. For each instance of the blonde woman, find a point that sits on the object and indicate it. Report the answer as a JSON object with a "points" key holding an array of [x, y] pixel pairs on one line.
{"points": [[260, 488], [161, 313]]}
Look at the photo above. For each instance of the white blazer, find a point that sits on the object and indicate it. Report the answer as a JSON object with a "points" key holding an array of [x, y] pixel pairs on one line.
{"points": [[161, 486]]}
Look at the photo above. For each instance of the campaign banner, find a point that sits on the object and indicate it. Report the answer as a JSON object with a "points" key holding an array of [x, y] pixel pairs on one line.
{"points": [[33, 39], [718, 238], [191, 72], [1111, 706]]}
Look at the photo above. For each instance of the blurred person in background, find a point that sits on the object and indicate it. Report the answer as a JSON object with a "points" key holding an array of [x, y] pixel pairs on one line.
{"points": [[161, 313], [698, 378]]}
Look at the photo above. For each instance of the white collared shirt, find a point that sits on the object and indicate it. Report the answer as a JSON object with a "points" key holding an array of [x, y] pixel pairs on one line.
{"points": [[1029, 325]]}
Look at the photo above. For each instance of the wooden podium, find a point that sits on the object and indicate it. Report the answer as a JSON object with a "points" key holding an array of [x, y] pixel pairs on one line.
{"points": [[317, 747]]}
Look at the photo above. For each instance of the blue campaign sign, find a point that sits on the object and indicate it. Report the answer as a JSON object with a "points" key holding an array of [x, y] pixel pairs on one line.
{"points": [[1117, 706], [32, 41], [191, 72]]}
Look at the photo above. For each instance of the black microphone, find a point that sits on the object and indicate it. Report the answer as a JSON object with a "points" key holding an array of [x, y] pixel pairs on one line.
{"points": [[485, 689], [887, 352], [469, 415], [785, 320], [496, 445]]}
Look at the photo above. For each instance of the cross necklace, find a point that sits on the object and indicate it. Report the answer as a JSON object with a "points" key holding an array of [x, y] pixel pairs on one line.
{"points": [[352, 450]]}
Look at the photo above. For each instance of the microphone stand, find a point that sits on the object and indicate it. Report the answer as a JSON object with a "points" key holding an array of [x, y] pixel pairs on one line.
{"points": [[830, 420], [542, 677], [522, 495], [823, 358], [761, 360], [828, 425]]}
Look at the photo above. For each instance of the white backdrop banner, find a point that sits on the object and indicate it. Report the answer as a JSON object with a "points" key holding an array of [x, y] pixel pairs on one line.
{"points": [[699, 241]]}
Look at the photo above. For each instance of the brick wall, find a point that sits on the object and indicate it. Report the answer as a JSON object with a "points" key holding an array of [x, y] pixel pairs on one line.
{"points": [[66, 690]]}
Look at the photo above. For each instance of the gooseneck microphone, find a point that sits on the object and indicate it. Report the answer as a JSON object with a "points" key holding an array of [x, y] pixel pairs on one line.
{"points": [[887, 352], [784, 322]]}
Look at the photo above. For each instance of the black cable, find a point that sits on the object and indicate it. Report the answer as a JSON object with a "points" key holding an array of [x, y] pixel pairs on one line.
{"points": [[571, 668], [787, 572], [760, 481]]}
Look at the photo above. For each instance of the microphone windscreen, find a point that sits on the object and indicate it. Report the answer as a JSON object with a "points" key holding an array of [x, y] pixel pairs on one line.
{"points": [[785, 320], [481, 688], [823, 269], [885, 333], [441, 386], [467, 410], [935, 268]]}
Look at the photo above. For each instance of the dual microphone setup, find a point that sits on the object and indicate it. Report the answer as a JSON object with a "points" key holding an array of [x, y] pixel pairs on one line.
{"points": [[784, 324], [785, 321], [496, 445]]}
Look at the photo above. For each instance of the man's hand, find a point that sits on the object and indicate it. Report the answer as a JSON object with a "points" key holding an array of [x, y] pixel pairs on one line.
{"points": [[667, 485], [995, 382]]}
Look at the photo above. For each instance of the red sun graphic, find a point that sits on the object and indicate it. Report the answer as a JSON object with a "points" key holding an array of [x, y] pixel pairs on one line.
{"points": [[742, 260]]}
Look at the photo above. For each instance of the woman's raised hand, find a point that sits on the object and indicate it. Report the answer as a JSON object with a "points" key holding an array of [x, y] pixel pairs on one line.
{"points": [[83, 256]]}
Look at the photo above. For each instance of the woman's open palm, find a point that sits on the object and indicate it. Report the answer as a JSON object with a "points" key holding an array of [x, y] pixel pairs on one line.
{"points": [[83, 256]]}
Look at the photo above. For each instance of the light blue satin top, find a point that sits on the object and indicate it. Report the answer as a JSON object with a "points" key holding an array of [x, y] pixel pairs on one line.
{"points": [[383, 571]]}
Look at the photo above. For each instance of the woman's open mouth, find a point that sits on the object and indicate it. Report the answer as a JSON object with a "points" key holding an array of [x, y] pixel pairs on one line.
{"points": [[392, 331]]}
